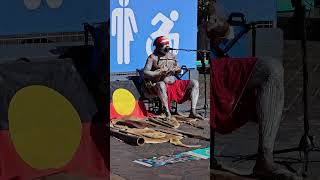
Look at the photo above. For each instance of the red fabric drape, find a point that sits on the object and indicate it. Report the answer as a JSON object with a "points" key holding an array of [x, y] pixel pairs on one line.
{"points": [[229, 77], [178, 92]]}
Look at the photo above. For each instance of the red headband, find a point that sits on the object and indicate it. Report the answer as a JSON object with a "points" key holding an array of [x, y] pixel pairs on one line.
{"points": [[161, 40]]}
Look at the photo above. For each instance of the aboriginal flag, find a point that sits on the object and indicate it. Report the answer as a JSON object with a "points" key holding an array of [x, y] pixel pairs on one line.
{"points": [[46, 124], [125, 100]]}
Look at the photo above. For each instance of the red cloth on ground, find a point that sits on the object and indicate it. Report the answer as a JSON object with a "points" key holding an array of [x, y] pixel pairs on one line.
{"points": [[229, 77], [178, 92]]}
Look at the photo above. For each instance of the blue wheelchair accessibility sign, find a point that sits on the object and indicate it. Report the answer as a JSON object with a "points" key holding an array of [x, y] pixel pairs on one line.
{"points": [[135, 24]]}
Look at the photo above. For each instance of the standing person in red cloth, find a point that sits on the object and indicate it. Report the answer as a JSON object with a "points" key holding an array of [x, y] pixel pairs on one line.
{"points": [[265, 77], [159, 74]]}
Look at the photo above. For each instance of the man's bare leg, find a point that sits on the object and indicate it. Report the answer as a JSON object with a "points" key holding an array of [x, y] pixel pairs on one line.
{"points": [[268, 79], [194, 87], [162, 93]]}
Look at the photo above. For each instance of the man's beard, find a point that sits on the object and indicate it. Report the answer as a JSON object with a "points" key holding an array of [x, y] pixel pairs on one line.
{"points": [[163, 51]]}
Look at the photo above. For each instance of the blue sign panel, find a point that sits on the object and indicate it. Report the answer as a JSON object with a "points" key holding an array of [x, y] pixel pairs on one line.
{"points": [[263, 10], [33, 16], [136, 23]]}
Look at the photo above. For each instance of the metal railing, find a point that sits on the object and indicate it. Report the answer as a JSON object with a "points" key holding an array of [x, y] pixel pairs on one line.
{"points": [[37, 38]]}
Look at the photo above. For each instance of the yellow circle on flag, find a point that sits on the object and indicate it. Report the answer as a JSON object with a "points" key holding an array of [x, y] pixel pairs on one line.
{"points": [[44, 127], [123, 101]]}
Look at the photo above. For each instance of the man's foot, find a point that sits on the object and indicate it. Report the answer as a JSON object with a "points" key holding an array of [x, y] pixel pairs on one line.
{"points": [[167, 115], [195, 115], [274, 173]]}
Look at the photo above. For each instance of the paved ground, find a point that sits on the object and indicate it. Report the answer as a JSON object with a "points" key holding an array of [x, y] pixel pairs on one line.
{"points": [[242, 141]]}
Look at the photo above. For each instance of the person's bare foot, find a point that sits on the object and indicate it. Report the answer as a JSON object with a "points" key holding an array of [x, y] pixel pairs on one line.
{"points": [[195, 115], [168, 115], [273, 172]]}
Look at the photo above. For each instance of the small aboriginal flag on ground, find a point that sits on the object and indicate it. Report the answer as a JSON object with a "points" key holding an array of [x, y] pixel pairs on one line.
{"points": [[125, 100]]}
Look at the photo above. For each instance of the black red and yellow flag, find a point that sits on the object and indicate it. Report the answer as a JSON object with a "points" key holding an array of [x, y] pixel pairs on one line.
{"points": [[125, 100], [46, 123]]}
